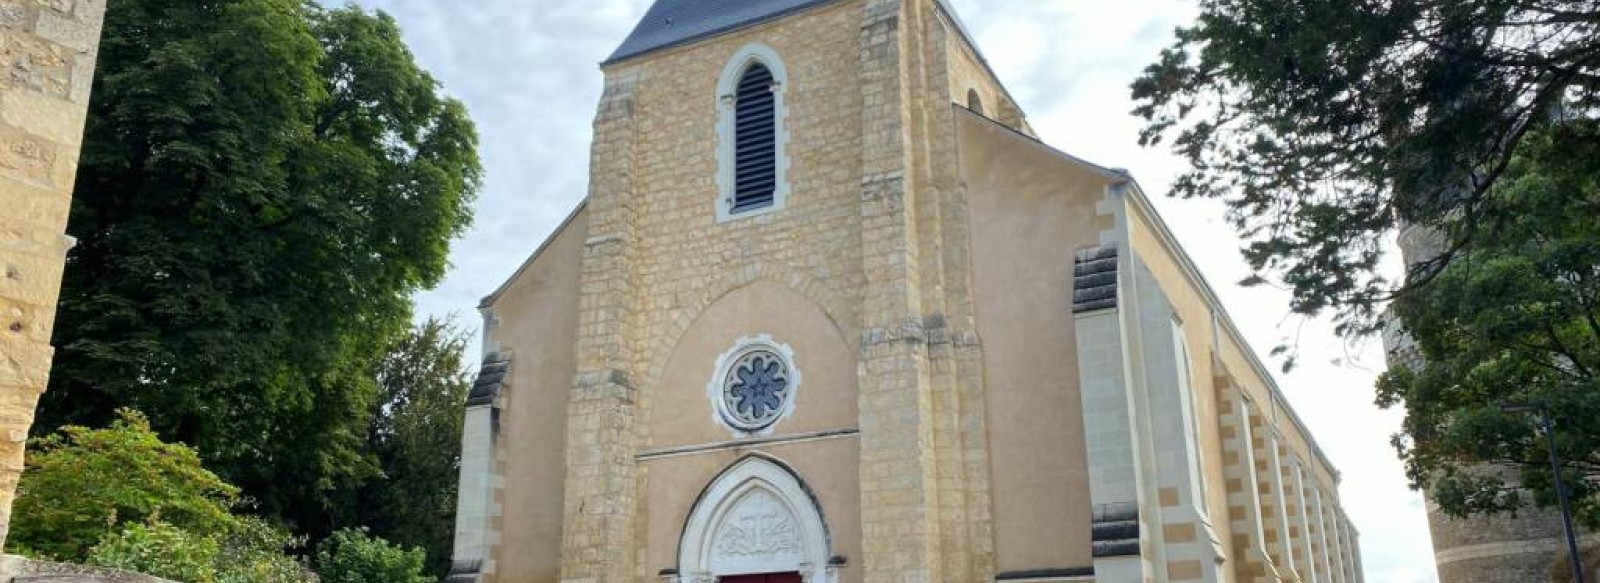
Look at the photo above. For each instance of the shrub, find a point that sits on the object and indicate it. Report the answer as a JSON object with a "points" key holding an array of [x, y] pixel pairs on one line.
{"points": [[252, 553], [353, 556], [83, 485], [161, 550]]}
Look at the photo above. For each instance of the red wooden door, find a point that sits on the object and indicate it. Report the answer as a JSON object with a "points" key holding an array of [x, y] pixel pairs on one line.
{"points": [[773, 578]]}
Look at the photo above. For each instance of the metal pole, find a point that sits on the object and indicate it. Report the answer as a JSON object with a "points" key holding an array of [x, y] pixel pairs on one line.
{"points": [[1561, 494]]}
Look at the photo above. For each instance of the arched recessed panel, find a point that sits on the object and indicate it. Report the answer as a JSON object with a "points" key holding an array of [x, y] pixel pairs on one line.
{"points": [[974, 102], [757, 517]]}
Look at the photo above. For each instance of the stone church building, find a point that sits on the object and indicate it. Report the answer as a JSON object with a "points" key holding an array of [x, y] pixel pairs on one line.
{"points": [[831, 312]]}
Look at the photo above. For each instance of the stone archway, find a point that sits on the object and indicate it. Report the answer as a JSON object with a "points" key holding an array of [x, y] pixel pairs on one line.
{"points": [[755, 518]]}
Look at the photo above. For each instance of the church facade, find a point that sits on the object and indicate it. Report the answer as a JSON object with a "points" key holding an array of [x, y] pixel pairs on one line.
{"points": [[832, 313]]}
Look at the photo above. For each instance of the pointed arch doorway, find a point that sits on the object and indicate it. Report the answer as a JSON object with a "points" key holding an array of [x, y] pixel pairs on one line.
{"points": [[756, 523], [778, 578]]}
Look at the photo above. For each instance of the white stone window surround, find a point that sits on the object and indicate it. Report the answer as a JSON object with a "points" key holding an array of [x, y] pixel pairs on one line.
{"points": [[727, 86], [755, 492], [1191, 415], [724, 364]]}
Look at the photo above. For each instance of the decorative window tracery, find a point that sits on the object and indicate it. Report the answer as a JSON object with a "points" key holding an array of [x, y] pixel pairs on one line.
{"points": [[755, 389], [754, 386]]}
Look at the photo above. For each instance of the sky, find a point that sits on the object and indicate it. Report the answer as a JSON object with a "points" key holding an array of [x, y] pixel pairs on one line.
{"points": [[527, 70]]}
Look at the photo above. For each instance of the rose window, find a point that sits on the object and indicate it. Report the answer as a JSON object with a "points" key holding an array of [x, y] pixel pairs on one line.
{"points": [[756, 390]]}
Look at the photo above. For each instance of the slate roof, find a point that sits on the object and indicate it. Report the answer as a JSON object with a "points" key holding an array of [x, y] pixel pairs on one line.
{"points": [[491, 379], [1095, 279], [670, 23], [674, 22]]}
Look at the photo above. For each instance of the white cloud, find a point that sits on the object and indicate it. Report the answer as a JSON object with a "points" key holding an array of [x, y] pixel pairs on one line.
{"points": [[528, 71]]}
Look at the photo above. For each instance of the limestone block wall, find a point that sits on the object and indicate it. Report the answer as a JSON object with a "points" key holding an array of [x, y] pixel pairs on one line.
{"points": [[49, 49], [873, 234]]}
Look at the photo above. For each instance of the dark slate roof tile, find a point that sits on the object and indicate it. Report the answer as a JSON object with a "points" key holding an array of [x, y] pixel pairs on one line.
{"points": [[491, 379], [674, 22], [670, 23]]}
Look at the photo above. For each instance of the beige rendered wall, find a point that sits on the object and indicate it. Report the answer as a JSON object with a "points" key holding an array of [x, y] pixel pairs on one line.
{"points": [[683, 417], [538, 315], [1029, 213], [825, 398], [49, 50]]}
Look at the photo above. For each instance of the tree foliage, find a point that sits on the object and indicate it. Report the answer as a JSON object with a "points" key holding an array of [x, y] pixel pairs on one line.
{"points": [[353, 556], [161, 550], [264, 184], [1515, 318], [82, 485], [1324, 123], [416, 438], [253, 553]]}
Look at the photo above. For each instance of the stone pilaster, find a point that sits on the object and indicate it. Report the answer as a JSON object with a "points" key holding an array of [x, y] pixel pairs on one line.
{"points": [[1119, 530], [1276, 471], [955, 355], [49, 57], [1250, 550], [1306, 556], [899, 523], [478, 505], [1341, 545], [598, 538], [1324, 541], [1162, 374]]}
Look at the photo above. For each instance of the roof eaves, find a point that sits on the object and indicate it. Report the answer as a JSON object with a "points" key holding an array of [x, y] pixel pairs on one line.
{"points": [[1225, 319], [1112, 174], [490, 299]]}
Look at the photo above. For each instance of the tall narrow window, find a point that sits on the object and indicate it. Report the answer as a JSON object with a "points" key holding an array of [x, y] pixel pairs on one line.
{"points": [[752, 137], [974, 102], [1191, 413], [755, 141]]}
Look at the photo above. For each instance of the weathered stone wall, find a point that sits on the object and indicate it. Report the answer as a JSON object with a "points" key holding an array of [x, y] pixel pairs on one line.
{"points": [[1479, 549], [21, 570], [49, 49], [1496, 549]]}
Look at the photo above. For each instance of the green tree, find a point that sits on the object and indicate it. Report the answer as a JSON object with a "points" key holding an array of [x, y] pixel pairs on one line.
{"points": [[1515, 318], [1323, 123], [264, 184], [353, 556], [82, 485], [416, 437]]}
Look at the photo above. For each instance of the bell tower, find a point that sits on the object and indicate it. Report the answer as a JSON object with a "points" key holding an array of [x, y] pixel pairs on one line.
{"points": [[810, 143]]}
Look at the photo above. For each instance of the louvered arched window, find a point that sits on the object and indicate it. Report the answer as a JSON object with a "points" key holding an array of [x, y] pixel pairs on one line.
{"points": [[752, 164], [755, 140]]}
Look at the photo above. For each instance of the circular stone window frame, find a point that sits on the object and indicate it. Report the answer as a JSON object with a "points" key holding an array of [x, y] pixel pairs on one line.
{"points": [[724, 366]]}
